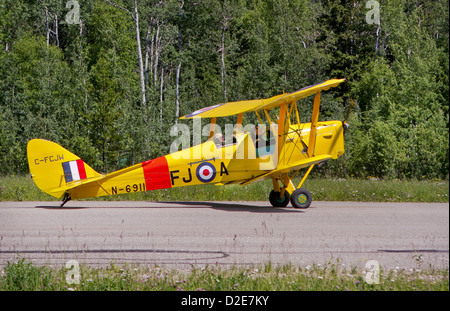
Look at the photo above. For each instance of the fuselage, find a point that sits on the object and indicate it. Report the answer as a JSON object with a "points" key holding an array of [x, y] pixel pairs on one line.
{"points": [[209, 163]]}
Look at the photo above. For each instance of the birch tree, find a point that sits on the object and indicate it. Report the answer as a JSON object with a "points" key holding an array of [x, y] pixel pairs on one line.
{"points": [[135, 16]]}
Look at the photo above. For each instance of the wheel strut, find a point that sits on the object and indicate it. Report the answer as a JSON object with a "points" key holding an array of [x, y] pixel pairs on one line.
{"points": [[304, 177]]}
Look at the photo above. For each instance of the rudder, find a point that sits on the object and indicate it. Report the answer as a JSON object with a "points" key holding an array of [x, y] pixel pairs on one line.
{"points": [[54, 169]]}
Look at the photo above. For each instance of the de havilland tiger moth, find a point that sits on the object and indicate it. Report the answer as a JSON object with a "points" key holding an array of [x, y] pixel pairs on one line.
{"points": [[279, 150]]}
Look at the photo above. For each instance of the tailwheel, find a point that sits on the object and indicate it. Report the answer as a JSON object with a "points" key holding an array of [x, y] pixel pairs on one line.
{"points": [[66, 198], [301, 198], [276, 201]]}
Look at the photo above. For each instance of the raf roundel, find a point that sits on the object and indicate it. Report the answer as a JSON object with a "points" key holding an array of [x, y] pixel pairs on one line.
{"points": [[206, 172]]}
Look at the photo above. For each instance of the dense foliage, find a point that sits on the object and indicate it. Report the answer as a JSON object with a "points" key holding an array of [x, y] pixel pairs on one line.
{"points": [[108, 79]]}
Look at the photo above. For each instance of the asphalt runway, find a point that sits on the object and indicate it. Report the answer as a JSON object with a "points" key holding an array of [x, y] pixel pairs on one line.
{"points": [[180, 234]]}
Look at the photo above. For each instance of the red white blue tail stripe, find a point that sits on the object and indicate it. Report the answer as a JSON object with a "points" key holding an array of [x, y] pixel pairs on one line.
{"points": [[74, 170]]}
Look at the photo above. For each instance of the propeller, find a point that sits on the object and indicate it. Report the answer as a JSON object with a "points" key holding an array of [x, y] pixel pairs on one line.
{"points": [[349, 110]]}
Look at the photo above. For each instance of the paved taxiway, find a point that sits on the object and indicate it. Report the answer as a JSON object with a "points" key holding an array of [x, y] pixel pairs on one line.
{"points": [[176, 234]]}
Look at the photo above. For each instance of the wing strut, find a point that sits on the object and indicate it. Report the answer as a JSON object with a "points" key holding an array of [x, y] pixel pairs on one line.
{"points": [[314, 120], [306, 175]]}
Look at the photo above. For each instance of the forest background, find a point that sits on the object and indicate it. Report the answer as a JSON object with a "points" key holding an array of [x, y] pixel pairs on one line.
{"points": [[107, 79]]}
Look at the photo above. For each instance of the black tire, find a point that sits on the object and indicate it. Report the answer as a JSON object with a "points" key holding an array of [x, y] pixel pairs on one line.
{"points": [[276, 201], [301, 198]]}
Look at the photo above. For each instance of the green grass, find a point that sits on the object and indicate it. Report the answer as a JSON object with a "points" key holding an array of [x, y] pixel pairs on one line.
{"points": [[20, 188], [23, 275]]}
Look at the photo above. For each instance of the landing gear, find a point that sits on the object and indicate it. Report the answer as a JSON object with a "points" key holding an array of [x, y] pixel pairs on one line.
{"points": [[301, 198], [66, 198], [278, 201]]}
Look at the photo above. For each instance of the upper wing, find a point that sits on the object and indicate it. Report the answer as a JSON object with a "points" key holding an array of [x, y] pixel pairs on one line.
{"points": [[233, 108]]}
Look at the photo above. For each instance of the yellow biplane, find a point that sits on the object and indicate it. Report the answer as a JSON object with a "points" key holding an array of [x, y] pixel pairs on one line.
{"points": [[277, 148]]}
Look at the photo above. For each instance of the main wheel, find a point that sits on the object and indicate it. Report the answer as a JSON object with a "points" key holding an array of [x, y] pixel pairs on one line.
{"points": [[276, 201], [301, 198]]}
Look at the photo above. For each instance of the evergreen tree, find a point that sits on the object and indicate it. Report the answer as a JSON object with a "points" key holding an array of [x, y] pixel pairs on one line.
{"points": [[80, 84]]}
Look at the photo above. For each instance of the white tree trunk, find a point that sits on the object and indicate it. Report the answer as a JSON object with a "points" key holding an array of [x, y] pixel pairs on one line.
{"points": [[177, 78], [135, 17], [139, 52]]}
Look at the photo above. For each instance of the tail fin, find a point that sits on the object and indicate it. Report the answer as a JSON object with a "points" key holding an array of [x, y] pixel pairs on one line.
{"points": [[55, 169]]}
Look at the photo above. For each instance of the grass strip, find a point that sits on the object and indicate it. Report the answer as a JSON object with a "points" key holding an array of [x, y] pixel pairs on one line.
{"points": [[21, 188], [23, 275]]}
